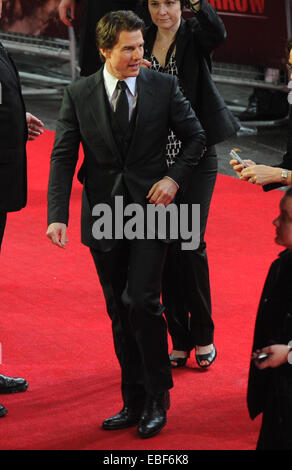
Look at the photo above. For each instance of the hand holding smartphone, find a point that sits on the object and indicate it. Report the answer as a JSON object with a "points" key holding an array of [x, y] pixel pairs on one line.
{"points": [[235, 156], [260, 357]]}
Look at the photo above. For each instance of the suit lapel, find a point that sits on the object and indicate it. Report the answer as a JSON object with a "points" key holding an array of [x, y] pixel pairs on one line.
{"points": [[144, 104], [98, 107]]}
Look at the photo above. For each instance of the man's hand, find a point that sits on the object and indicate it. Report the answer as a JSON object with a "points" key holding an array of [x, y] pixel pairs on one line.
{"points": [[34, 125], [63, 8], [162, 192], [57, 234], [277, 355]]}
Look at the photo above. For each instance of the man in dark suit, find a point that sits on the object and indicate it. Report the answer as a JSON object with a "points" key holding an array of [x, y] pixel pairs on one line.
{"points": [[92, 11], [126, 162], [15, 127]]}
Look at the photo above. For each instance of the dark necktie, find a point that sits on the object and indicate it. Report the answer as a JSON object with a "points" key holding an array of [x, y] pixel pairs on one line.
{"points": [[122, 107]]}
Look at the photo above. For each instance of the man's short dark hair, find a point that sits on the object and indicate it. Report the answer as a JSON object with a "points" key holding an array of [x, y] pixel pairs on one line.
{"points": [[112, 24]]}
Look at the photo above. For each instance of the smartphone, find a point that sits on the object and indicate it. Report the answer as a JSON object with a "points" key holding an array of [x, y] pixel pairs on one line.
{"points": [[261, 357], [235, 155]]}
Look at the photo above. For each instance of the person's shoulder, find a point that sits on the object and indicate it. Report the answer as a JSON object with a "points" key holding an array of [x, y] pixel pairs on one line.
{"points": [[79, 83], [84, 83], [189, 22], [156, 76], [188, 29], [284, 260], [285, 254]]}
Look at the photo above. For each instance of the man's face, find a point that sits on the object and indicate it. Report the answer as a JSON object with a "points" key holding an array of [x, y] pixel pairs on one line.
{"points": [[124, 59], [0, 7], [283, 223]]}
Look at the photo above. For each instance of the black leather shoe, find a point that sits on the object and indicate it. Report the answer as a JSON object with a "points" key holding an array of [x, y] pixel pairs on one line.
{"points": [[154, 417], [126, 418], [12, 385], [3, 411]]}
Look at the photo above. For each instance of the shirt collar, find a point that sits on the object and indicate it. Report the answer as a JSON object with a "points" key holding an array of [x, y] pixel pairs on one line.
{"points": [[111, 82]]}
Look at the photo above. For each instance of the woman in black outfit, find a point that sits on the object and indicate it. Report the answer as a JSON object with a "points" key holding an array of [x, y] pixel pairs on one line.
{"points": [[270, 377], [182, 47]]}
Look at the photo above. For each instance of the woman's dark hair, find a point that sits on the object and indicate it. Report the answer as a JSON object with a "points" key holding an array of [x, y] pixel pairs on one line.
{"points": [[112, 24]]}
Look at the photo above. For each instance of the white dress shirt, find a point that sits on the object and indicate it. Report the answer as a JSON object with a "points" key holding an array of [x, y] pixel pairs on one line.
{"points": [[113, 92]]}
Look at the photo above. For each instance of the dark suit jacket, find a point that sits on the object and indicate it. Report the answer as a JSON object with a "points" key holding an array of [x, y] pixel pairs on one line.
{"points": [[84, 117], [13, 137], [195, 40]]}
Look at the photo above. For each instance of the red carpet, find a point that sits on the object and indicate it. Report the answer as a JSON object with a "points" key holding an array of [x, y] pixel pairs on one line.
{"points": [[55, 331]]}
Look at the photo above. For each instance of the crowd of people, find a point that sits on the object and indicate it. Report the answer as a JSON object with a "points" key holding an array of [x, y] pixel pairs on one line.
{"points": [[127, 70]]}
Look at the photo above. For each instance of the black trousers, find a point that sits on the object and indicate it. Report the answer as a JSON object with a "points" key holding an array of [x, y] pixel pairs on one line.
{"points": [[130, 275], [186, 286], [3, 217]]}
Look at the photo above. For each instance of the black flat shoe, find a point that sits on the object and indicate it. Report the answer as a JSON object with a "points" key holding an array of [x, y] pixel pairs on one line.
{"points": [[179, 361], [210, 357]]}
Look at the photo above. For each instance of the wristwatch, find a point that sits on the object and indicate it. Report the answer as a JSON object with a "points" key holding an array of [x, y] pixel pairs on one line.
{"points": [[284, 177]]}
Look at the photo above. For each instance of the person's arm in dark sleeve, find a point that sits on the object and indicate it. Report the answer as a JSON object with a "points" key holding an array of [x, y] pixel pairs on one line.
{"points": [[63, 162], [208, 27]]}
